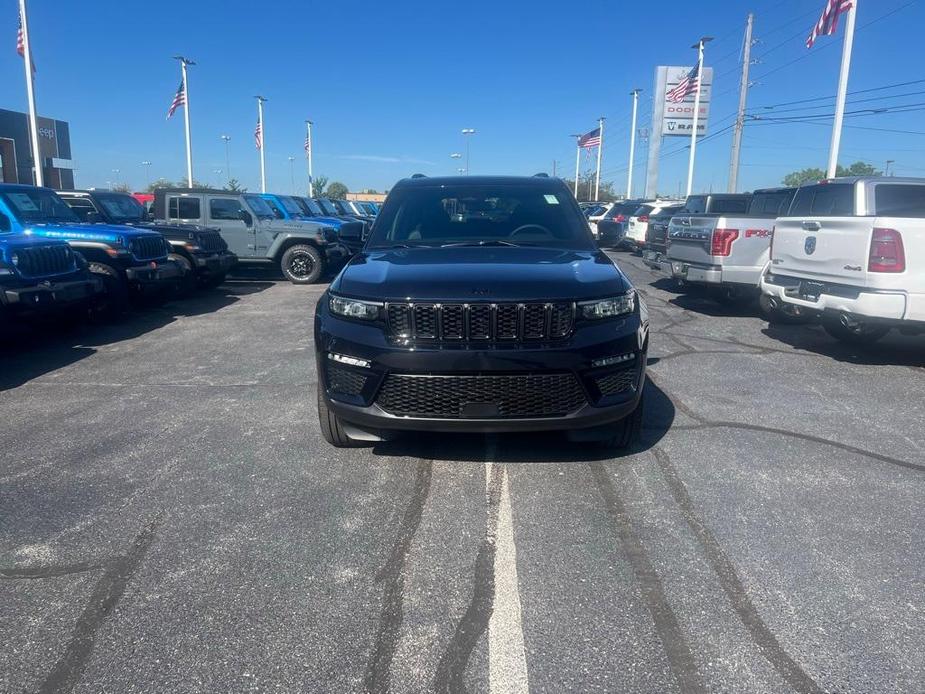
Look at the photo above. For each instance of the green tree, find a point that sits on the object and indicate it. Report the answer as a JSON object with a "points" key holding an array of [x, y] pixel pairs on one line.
{"points": [[858, 168], [336, 190], [234, 185], [318, 185], [160, 183], [122, 188], [586, 188]]}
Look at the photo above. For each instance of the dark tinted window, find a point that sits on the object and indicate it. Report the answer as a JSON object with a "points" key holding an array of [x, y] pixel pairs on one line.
{"points": [[669, 212], [38, 205], [121, 208], [224, 209], [729, 206], [642, 209], [522, 215], [770, 204], [82, 207], [897, 200], [696, 204], [184, 208], [827, 199]]}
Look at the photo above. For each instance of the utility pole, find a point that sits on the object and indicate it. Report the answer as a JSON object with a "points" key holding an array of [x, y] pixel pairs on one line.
{"points": [[30, 94], [600, 152], [743, 98], [629, 177], [690, 164], [184, 62]]}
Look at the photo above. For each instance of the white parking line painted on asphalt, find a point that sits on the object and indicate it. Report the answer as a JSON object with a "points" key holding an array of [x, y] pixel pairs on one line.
{"points": [[507, 660]]}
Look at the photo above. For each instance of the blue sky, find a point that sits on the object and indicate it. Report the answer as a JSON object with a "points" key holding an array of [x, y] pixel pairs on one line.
{"points": [[390, 85]]}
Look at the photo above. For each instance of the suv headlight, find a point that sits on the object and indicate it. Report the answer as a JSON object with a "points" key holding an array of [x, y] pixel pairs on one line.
{"points": [[354, 308], [608, 308]]}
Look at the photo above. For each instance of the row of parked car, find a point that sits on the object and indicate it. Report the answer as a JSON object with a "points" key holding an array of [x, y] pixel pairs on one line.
{"points": [[98, 251], [849, 252]]}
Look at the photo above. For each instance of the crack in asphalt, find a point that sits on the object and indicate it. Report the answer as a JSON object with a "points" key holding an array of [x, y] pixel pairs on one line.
{"points": [[392, 575], [732, 585], [38, 572], [680, 660], [451, 670], [106, 595]]}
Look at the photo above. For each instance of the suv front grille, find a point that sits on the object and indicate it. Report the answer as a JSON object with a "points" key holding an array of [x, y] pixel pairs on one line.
{"points": [[41, 261], [481, 397], [148, 247], [504, 322], [212, 242]]}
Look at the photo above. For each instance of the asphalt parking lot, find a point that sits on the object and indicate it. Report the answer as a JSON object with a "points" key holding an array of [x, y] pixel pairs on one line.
{"points": [[171, 519]]}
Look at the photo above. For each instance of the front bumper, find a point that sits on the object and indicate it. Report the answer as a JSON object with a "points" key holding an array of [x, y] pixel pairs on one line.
{"points": [[820, 297], [571, 356], [51, 295], [215, 263], [656, 260], [155, 276]]}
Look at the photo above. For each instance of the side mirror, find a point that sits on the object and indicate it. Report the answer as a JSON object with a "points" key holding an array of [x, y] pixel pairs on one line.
{"points": [[5, 223], [351, 231], [93, 218], [247, 217]]}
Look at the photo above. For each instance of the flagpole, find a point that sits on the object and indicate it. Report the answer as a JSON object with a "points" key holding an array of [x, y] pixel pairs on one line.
{"points": [[577, 162], [189, 143], [30, 93], [690, 163], [263, 139], [629, 177], [311, 178], [600, 150], [842, 91]]}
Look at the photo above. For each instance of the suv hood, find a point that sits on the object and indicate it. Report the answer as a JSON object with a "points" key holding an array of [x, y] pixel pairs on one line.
{"points": [[11, 242], [280, 226], [174, 231], [480, 274], [104, 233]]}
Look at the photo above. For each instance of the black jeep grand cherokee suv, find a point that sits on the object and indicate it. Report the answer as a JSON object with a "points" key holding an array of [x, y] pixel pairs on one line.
{"points": [[480, 304]]}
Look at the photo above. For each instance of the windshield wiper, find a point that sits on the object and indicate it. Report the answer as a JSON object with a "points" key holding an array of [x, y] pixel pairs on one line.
{"points": [[493, 242]]}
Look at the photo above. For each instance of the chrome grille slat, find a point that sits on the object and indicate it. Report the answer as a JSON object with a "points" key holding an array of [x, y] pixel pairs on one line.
{"points": [[480, 322]]}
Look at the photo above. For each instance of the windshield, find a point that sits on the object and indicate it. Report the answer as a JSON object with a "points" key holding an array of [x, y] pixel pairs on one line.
{"points": [[121, 208], [38, 205], [290, 205], [260, 207], [480, 215], [312, 207], [328, 207]]}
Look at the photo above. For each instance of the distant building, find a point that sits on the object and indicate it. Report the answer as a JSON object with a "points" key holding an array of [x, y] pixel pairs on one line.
{"points": [[366, 197], [16, 151]]}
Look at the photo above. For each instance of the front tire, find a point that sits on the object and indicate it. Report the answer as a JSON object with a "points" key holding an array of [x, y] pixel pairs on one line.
{"points": [[331, 428], [858, 333], [302, 264], [113, 303], [188, 280], [628, 429]]}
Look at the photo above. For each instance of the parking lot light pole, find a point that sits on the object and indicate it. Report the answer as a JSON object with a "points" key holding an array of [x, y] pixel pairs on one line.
{"points": [[292, 175], [690, 164], [227, 139], [629, 177], [184, 62], [577, 161], [466, 132], [308, 153], [30, 93], [147, 166], [457, 155], [261, 139]]}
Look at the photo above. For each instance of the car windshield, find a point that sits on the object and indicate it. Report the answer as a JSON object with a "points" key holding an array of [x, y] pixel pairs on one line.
{"points": [[37, 205], [312, 207], [260, 207], [290, 205], [121, 209], [496, 215], [328, 207]]}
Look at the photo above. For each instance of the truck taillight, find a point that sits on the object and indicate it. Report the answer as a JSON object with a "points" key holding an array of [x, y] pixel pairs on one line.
{"points": [[886, 252], [644, 218], [721, 243], [620, 218]]}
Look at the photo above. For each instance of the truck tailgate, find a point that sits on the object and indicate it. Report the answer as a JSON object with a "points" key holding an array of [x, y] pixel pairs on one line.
{"points": [[690, 238], [830, 249]]}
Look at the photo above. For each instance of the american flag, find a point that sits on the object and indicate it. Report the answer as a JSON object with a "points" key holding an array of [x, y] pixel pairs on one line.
{"points": [[258, 135], [21, 42], [686, 87], [591, 139], [179, 99], [828, 22]]}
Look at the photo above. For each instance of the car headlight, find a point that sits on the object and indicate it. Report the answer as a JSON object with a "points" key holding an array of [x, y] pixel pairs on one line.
{"points": [[354, 308], [608, 308]]}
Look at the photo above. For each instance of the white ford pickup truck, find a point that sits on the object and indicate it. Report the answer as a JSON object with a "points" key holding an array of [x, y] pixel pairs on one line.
{"points": [[723, 242], [852, 250]]}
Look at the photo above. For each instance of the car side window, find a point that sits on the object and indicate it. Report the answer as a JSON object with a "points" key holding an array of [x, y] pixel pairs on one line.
{"points": [[898, 200], [825, 200], [224, 209], [82, 207], [183, 208]]}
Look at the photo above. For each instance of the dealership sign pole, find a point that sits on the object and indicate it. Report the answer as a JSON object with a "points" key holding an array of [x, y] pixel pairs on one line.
{"points": [[189, 142], [842, 87], [260, 139], [30, 92]]}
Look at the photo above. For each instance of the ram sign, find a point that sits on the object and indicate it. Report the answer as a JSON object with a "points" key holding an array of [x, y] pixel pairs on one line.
{"points": [[678, 118]]}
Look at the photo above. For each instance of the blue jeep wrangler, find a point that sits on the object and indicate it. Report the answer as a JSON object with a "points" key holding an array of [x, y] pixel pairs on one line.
{"points": [[130, 262]]}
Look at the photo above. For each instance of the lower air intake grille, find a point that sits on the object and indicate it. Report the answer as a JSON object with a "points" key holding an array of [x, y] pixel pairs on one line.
{"points": [[345, 381], [481, 397], [617, 382]]}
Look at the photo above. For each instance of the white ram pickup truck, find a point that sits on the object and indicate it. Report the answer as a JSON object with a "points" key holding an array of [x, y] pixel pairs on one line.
{"points": [[852, 250], [723, 242]]}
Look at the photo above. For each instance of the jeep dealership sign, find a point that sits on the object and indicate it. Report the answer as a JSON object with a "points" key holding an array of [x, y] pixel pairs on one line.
{"points": [[678, 118]]}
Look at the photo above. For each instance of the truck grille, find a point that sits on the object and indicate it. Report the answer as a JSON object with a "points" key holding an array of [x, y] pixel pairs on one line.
{"points": [[42, 261], [148, 247], [509, 322], [481, 397], [212, 242]]}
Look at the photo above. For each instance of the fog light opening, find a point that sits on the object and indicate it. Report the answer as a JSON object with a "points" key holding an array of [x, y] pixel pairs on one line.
{"points": [[616, 359], [349, 361]]}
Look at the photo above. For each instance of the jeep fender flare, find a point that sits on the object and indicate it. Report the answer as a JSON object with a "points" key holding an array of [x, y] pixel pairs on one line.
{"points": [[286, 239], [93, 251]]}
